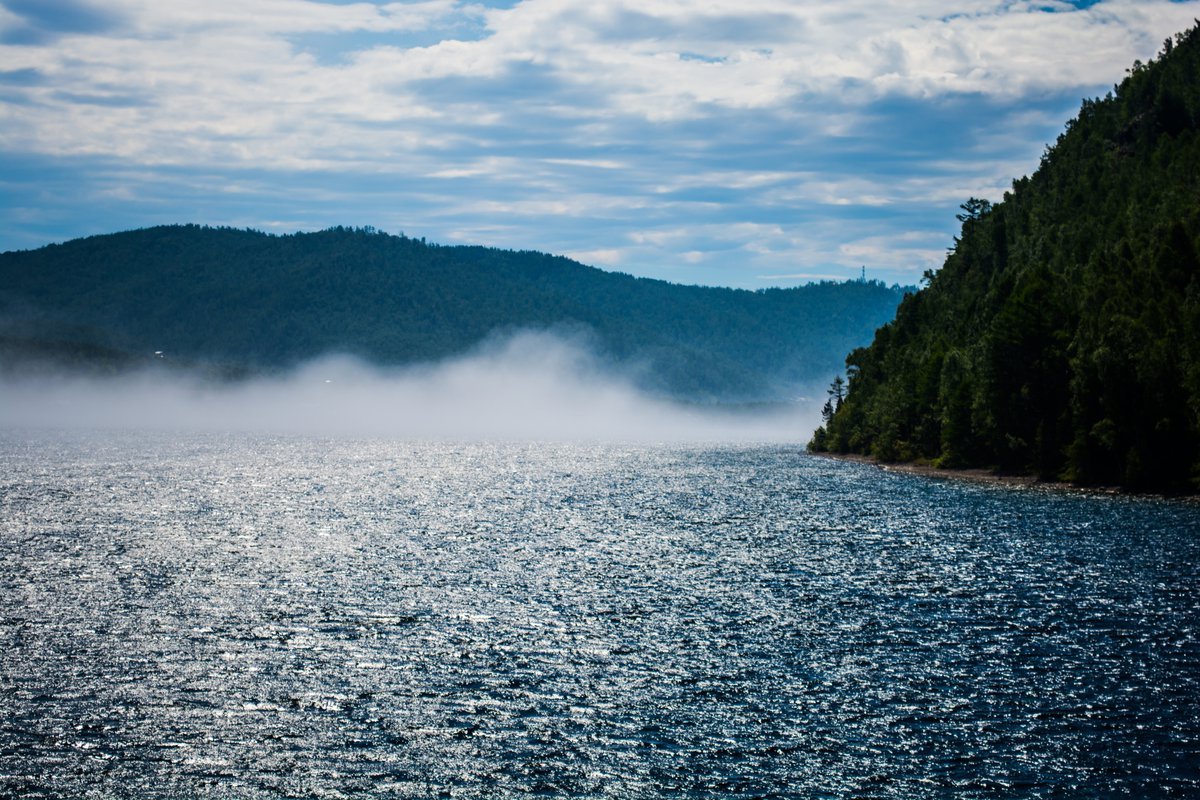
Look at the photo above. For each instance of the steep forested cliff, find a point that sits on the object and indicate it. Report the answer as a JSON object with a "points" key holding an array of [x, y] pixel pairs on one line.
{"points": [[1062, 335], [247, 300]]}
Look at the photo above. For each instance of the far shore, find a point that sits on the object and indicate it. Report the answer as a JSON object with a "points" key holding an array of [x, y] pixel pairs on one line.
{"points": [[980, 475]]}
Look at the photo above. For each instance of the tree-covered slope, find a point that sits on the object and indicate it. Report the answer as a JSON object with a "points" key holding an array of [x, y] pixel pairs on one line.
{"points": [[247, 299], [1062, 335]]}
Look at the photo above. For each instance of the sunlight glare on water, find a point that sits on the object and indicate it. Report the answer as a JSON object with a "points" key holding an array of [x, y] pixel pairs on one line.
{"points": [[250, 616]]}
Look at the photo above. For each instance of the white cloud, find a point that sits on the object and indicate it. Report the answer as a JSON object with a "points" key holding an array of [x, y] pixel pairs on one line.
{"points": [[632, 53], [272, 17], [910, 252], [756, 132], [608, 257], [595, 163], [223, 81], [574, 205], [807, 277]]}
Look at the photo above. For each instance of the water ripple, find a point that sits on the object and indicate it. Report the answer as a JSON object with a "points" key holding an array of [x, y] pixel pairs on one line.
{"points": [[253, 617]]}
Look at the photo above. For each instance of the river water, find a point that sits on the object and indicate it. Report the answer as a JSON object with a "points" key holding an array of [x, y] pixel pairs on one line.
{"points": [[245, 616]]}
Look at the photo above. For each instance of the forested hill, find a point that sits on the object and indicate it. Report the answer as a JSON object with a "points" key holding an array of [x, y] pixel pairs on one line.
{"points": [[245, 299], [1062, 335]]}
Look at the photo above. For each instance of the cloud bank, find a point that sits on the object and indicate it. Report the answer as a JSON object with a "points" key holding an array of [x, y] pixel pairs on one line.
{"points": [[708, 142], [528, 387]]}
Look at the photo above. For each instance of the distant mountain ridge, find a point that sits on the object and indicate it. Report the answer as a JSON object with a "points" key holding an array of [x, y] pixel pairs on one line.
{"points": [[246, 300], [1062, 335]]}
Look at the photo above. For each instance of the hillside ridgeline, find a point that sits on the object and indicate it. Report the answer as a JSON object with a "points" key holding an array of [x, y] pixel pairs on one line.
{"points": [[244, 301]]}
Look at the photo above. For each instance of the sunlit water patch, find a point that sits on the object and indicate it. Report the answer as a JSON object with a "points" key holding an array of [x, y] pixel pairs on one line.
{"points": [[239, 616]]}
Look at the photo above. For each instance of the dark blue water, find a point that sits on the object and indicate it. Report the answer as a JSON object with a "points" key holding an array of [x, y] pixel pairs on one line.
{"points": [[221, 616]]}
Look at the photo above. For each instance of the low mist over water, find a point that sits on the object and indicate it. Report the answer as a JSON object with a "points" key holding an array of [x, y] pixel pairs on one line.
{"points": [[216, 615], [528, 386]]}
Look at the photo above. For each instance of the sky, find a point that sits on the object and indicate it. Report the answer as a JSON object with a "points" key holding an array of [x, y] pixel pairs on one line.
{"points": [[748, 143]]}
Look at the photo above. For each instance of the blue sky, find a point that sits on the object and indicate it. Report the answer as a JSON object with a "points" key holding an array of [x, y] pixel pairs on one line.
{"points": [[748, 143]]}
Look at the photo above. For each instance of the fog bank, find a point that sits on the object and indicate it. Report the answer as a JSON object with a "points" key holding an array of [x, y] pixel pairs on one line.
{"points": [[530, 386]]}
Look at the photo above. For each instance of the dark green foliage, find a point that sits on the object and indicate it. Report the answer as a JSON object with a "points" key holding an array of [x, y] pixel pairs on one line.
{"points": [[1062, 335], [238, 297]]}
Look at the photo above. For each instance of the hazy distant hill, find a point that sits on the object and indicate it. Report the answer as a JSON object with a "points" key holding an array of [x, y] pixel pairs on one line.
{"points": [[241, 298], [1062, 336]]}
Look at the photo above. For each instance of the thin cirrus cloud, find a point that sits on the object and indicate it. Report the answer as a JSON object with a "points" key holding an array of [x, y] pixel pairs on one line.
{"points": [[720, 142]]}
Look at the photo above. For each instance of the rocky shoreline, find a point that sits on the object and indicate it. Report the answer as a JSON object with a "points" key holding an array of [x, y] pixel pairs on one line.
{"points": [[980, 475]]}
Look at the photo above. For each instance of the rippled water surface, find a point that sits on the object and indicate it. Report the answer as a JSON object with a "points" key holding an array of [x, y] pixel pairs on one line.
{"points": [[232, 616]]}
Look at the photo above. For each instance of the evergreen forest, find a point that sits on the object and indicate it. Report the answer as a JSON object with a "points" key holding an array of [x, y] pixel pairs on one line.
{"points": [[235, 302], [1061, 337]]}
